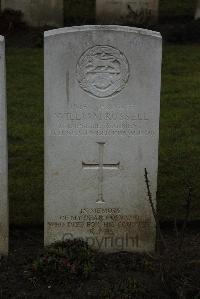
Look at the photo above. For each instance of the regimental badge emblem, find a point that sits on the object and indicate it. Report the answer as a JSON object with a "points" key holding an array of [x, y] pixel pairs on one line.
{"points": [[102, 71]]}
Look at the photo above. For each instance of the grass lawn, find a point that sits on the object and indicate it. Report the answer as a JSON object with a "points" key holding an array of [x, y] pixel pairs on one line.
{"points": [[179, 160], [25, 134]]}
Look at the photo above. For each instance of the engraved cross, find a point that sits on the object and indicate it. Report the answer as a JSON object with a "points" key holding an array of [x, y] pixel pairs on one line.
{"points": [[100, 166]]}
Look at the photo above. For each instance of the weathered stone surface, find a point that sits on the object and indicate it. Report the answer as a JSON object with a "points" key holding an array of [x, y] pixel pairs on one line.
{"points": [[127, 11], [38, 12], [3, 156], [102, 99], [197, 13]]}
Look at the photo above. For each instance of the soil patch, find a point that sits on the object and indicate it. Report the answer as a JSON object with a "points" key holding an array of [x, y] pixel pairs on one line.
{"points": [[119, 275]]}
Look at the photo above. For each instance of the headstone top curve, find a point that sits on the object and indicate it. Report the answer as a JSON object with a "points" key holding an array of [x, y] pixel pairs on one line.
{"points": [[116, 28]]}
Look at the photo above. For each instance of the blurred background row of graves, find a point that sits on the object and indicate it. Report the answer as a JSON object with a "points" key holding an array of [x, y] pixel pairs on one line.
{"points": [[178, 21]]}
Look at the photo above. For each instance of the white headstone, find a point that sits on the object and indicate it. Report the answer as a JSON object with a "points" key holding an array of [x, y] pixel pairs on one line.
{"points": [[102, 101], [3, 156], [126, 11], [197, 13], [38, 12]]}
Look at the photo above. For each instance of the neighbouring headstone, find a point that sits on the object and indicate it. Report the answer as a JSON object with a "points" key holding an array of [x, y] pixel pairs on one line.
{"points": [[3, 156], [138, 12], [38, 13], [102, 101], [197, 13]]}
